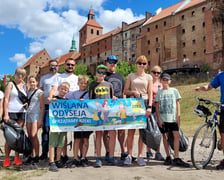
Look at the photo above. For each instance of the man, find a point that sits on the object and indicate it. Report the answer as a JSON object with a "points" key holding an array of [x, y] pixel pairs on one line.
{"points": [[118, 85], [72, 79], [218, 81], [46, 82]]}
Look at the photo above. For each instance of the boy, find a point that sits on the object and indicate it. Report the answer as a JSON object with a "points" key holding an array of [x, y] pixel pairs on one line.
{"points": [[57, 139], [168, 114], [81, 138], [95, 93]]}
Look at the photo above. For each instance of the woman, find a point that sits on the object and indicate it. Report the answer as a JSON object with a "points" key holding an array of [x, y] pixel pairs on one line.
{"points": [[14, 109], [34, 116], [138, 85], [155, 72]]}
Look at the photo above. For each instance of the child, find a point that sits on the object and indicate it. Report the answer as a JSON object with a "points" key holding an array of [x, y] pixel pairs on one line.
{"points": [[168, 114], [57, 139], [95, 93], [34, 116], [82, 136]]}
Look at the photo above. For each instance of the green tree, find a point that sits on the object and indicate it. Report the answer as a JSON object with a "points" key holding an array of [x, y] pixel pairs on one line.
{"points": [[124, 68], [81, 69]]}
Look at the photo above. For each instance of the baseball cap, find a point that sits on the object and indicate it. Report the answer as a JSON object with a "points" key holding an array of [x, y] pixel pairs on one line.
{"points": [[112, 58], [165, 76], [101, 66]]}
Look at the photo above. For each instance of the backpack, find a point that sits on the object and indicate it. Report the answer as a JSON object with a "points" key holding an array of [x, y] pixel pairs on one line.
{"points": [[151, 135], [184, 141], [16, 137]]}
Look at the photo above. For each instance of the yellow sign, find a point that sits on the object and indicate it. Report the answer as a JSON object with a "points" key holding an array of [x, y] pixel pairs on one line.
{"points": [[136, 106]]}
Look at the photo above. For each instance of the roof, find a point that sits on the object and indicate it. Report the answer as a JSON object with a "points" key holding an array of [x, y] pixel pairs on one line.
{"points": [[91, 22], [132, 25], [34, 57], [91, 12], [61, 59], [115, 31], [173, 9]]}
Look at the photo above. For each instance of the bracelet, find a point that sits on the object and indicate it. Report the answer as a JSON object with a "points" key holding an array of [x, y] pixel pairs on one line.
{"points": [[150, 107], [42, 116]]}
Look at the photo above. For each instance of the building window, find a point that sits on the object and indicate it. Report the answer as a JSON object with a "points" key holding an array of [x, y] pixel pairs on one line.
{"points": [[105, 53], [106, 47], [182, 17], [183, 31], [133, 36], [148, 52], [156, 26], [98, 43], [204, 38], [194, 41], [133, 47], [157, 39], [148, 29], [90, 58], [148, 42], [98, 55], [125, 35], [194, 53], [97, 32], [184, 56], [193, 28], [91, 31], [204, 50], [133, 58], [184, 44], [193, 13], [203, 24], [157, 50], [84, 60], [125, 44], [203, 9], [117, 37], [164, 23]]}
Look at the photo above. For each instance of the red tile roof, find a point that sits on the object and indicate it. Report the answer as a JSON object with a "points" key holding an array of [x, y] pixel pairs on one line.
{"points": [[91, 22], [115, 31], [61, 59], [91, 12]]}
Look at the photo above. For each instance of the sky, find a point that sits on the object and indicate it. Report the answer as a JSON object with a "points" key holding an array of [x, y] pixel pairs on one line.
{"points": [[28, 26]]}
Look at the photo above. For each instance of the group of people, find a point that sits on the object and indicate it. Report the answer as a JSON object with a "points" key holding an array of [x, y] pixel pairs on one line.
{"points": [[160, 100]]}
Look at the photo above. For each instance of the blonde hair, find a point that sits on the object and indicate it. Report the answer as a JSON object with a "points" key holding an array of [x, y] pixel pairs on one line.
{"points": [[65, 84], [142, 58], [20, 70], [156, 67], [84, 78], [31, 77]]}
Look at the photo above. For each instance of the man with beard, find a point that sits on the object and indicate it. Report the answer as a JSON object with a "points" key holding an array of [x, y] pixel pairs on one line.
{"points": [[72, 79], [46, 82], [117, 81]]}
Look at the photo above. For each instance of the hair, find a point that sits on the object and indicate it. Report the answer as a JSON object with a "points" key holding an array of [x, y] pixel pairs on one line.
{"points": [[65, 84], [32, 76], [69, 59], [156, 67], [84, 78], [20, 70], [52, 60], [141, 58]]}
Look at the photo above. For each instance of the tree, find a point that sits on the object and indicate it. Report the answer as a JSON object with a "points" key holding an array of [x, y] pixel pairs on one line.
{"points": [[124, 68]]}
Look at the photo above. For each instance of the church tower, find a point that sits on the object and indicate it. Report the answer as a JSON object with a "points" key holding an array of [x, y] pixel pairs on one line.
{"points": [[90, 30], [73, 47]]}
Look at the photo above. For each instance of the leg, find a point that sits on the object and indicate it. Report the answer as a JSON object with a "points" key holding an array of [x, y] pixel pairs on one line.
{"points": [[35, 140], [112, 141], [176, 144], [130, 140], [85, 147], [76, 148], [106, 139], [51, 154], [98, 143], [121, 139]]}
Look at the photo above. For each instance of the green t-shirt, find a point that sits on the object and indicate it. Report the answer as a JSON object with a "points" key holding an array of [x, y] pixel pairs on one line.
{"points": [[167, 104]]}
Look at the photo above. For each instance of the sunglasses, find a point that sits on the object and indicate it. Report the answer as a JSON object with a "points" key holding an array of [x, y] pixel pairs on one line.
{"points": [[101, 72], [112, 62], [70, 64], [53, 65], [154, 72], [20, 74], [141, 63]]}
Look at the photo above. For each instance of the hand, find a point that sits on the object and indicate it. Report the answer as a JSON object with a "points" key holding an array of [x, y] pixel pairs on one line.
{"points": [[6, 118], [49, 100], [148, 112], [114, 98], [40, 123], [137, 95], [160, 123], [197, 89], [81, 99]]}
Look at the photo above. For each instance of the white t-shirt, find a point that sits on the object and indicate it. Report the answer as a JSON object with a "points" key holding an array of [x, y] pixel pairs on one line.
{"points": [[1, 95], [34, 106], [70, 78]]}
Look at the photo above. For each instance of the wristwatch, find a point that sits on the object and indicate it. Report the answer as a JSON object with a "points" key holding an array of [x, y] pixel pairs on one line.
{"points": [[150, 107]]}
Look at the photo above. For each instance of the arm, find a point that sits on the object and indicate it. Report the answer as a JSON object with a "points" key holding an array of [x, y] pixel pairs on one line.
{"points": [[149, 110], [1, 108], [6, 101], [129, 92], [42, 109], [178, 112], [52, 93], [159, 121], [204, 88]]}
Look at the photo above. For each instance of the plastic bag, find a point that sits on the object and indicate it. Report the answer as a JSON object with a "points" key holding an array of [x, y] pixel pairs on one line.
{"points": [[151, 135]]}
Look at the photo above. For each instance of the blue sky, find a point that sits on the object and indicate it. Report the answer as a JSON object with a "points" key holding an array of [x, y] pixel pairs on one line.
{"points": [[28, 26]]}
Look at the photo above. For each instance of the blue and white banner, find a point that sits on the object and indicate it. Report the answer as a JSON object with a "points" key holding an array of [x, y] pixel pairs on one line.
{"points": [[96, 115]]}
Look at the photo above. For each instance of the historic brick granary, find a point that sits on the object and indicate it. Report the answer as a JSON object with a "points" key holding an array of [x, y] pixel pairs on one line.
{"points": [[189, 33]]}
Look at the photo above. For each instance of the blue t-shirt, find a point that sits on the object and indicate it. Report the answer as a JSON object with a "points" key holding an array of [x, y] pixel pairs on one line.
{"points": [[218, 81], [77, 94]]}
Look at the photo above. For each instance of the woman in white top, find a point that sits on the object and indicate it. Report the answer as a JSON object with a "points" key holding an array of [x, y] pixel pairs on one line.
{"points": [[1, 103], [14, 109], [34, 116], [138, 85]]}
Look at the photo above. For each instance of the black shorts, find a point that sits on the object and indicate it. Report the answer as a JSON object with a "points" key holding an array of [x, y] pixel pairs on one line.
{"points": [[221, 122], [17, 116], [82, 134], [169, 127]]}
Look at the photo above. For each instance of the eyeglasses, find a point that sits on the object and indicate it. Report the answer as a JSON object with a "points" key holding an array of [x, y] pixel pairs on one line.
{"points": [[101, 72], [112, 62], [70, 64], [141, 63], [154, 72], [51, 65]]}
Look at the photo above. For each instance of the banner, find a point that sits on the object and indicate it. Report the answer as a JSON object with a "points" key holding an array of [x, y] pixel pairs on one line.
{"points": [[96, 115]]}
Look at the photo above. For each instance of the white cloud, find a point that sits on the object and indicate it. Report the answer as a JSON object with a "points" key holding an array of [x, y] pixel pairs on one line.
{"points": [[20, 59]]}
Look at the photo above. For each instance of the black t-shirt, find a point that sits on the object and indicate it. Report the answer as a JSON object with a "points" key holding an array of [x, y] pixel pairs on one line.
{"points": [[117, 81], [103, 90]]}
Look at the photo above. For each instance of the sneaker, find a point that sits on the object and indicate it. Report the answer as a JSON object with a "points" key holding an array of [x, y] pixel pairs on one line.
{"points": [[84, 162], [106, 156], [168, 161], [180, 162], [128, 161], [123, 156], [112, 161], [75, 163], [221, 165], [35, 160], [149, 155], [28, 160], [53, 167], [133, 158], [64, 159], [98, 163], [159, 157], [6, 162], [17, 161], [43, 157], [59, 164], [141, 161]]}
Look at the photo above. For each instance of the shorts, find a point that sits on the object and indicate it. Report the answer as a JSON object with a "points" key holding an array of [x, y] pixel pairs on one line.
{"points": [[57, 139], [221, 122], [82, 134], [169, 127], [32, 117], [17, 116]]}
